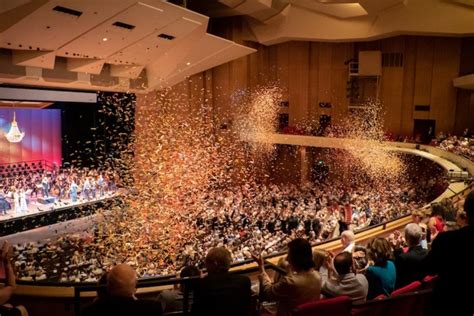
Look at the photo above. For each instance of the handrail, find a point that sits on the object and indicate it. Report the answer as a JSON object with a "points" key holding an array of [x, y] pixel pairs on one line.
{"points": [[143, 284]]}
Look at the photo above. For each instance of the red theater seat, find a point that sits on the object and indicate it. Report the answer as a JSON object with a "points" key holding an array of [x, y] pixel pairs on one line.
{"points": [[429, 281], [412, 287], [337, 306]]}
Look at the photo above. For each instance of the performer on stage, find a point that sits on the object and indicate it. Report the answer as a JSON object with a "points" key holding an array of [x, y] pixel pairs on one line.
{"points": [[101, 185], [4, 205], [73, 191], [86, 188], [16, 201], [45, 185], [23, 204]]}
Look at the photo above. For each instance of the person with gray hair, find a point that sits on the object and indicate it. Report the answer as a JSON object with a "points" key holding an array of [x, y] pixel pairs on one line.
{"points": [[409, 265], [348, 240]]}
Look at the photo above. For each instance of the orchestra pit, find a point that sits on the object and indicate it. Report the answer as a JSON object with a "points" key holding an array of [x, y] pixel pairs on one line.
{"points": [[236, 158]]}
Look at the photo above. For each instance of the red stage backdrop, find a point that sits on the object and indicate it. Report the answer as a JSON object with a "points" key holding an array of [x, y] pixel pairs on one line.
{"points": [[42, 140]]}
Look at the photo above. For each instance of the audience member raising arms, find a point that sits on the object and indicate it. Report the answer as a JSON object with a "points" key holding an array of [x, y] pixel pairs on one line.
{"points": [[451, 259], [302, 284]]}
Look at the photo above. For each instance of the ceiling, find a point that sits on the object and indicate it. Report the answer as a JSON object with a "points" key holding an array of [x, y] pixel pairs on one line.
{"points": [[115, 45], [275, 21]]}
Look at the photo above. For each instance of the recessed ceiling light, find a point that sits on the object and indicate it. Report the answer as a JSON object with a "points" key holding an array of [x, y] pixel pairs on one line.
{"points": [[188, 63], [105, 39]]}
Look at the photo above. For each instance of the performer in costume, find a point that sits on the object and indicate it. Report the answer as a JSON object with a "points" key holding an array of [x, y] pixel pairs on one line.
{"points": [[86, 188], [23, 203], [73, 191], [45, 186], [16, 201]]}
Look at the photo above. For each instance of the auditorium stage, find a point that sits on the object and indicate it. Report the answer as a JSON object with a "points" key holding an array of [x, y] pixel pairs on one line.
{"points": [[39, 215]]}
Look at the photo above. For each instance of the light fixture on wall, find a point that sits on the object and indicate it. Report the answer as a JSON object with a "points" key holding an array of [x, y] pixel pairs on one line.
{"points": [[14, 135]]}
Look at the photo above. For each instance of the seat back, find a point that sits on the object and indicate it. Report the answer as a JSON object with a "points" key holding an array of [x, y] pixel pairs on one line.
{"points": [[412, 287], [337, 306]]}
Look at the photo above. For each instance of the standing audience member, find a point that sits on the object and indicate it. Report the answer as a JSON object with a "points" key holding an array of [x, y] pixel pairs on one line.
{"points": [[347, 240], [220, 292], [347, 282], [120, 299], [449, 259], [381, 272], [409, 265], [436, 223], [301, 285]]}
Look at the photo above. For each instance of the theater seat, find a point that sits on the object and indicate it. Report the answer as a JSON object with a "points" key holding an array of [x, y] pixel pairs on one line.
{"points": [[337, 306], [429, 281], [412, 287]]}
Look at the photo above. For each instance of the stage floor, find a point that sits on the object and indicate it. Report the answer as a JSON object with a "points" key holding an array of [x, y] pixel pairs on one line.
{"points": [[34, 207]]}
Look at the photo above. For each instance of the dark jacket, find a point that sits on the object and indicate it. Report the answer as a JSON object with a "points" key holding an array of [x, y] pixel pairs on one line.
{"points": [[452, 260], [222, 294], [410, 266], [120, 306]]}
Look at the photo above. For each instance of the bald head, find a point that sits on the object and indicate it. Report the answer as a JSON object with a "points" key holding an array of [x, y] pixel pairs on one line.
{"points": [[122, 281], [218, 259], [347, 237]]}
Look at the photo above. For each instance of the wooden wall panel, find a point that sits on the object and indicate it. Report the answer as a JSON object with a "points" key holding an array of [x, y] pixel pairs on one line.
{"points": [[408, 92], [313, 72], [423, 71], [443, 94], [298, 84]]}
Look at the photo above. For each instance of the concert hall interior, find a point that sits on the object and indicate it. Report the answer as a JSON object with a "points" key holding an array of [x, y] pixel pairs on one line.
{"points": [[236, 157]]}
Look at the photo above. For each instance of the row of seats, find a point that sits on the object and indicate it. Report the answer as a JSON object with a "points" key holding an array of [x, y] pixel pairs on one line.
{"points": [[410, 300]]}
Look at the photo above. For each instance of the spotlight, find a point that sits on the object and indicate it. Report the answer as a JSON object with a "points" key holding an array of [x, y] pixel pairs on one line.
{"points": [[105, 39]]}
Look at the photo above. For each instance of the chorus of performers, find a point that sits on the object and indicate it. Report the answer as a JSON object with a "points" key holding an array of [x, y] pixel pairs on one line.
{"points": [[66, 185]]}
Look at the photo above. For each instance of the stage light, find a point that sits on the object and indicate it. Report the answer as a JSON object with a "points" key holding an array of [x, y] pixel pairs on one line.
{"points": [[105, 39], [14, 135], [188, 63]]}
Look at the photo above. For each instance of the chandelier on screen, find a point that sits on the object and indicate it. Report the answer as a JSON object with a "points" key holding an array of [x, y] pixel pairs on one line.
{"points": [[14, 135]]}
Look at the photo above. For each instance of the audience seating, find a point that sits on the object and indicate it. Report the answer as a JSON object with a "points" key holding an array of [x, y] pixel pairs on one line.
{"points": [[407, 304], [412, 287], [429, 281], [337, 306]]}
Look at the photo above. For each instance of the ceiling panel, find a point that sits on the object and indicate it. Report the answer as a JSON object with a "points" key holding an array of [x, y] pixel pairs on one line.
{"points": [[46, 29], [107, 39], [152, 46]]}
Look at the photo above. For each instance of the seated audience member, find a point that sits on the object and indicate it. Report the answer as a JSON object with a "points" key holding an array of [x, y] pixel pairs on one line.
{"points": [[449, 259], [381, 273], [409, 265], [120, 299], [221, 292], [172, 300], [347, 240], [436, 223], [301, 285], [346, 282], [10, 279]]}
